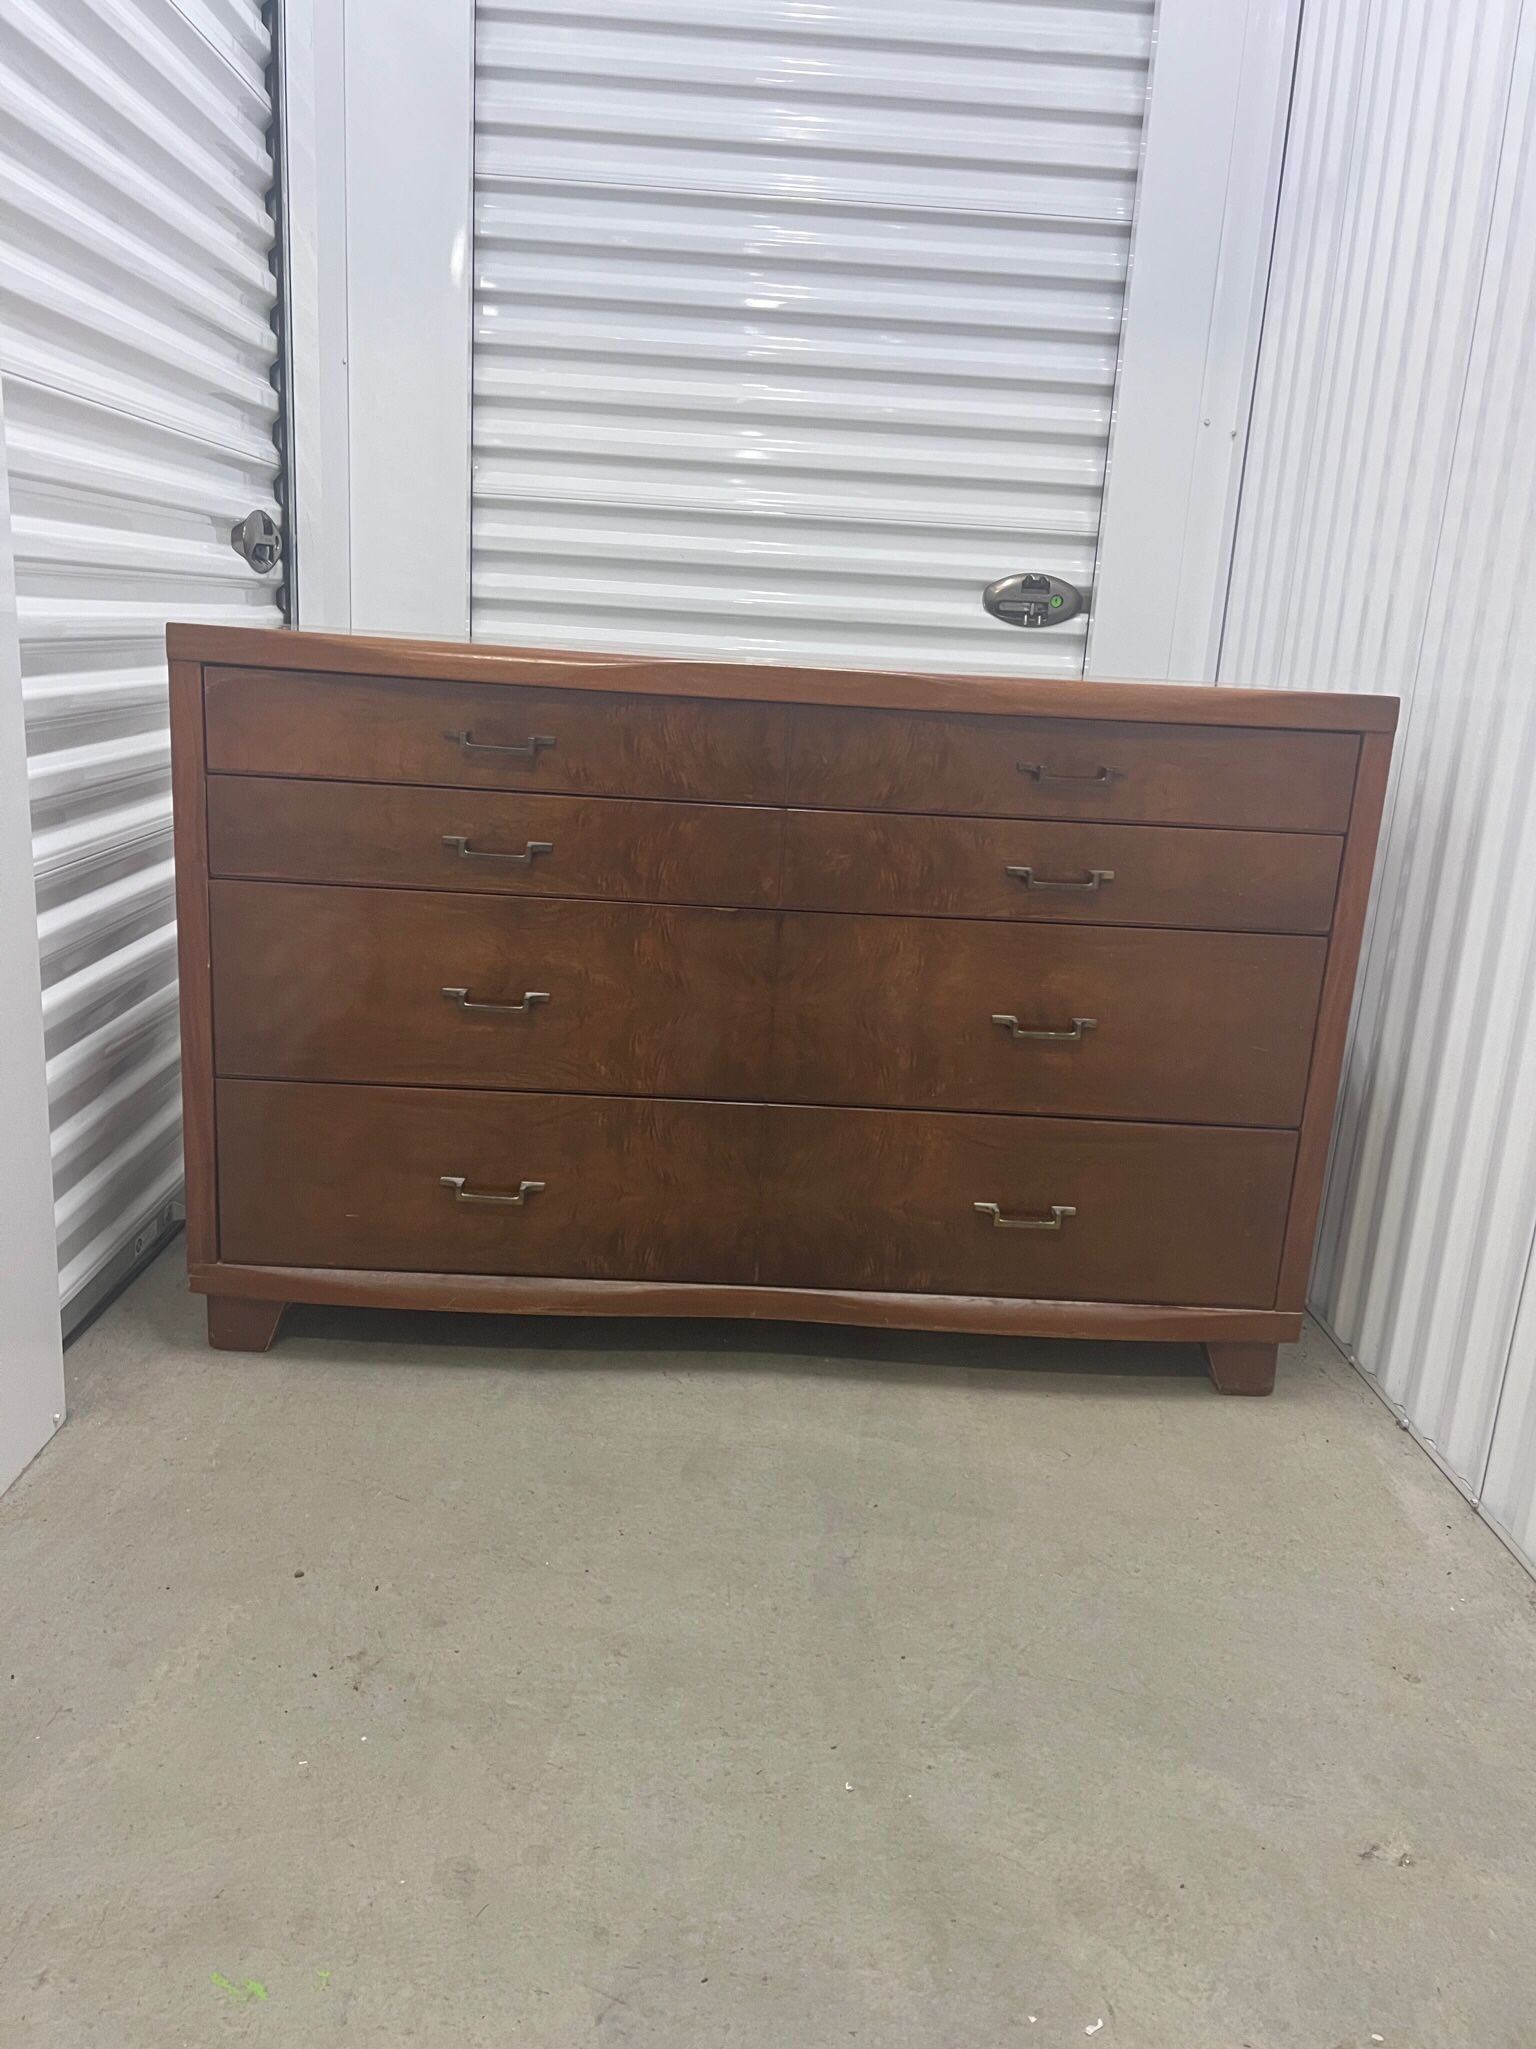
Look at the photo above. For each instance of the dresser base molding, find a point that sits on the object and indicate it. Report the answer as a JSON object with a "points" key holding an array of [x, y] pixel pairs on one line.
{"points": [[236, 1295]]}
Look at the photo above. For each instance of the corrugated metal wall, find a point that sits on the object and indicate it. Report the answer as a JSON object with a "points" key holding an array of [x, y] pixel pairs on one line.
{"points": [[1387, 529], [1481, 809], [775, 305], [136, 345]]}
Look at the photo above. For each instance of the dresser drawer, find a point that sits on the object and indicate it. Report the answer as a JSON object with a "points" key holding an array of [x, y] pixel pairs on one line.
{"points": [[374, 729], [1080, 874], [315, 1175], [1153, 1213], [387, 985], [490, 841], [1072, 768], [1191, 1027]]}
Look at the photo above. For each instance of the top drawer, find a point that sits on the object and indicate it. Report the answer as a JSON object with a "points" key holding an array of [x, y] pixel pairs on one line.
{"points": [[492, 736], [1263, 778]]}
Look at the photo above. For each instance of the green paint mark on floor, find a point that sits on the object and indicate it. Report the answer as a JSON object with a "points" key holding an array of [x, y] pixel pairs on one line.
{"points": [[241, 1995], [322, 1979]]}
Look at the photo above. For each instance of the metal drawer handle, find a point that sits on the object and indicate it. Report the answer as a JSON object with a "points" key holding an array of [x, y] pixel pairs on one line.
{"points": [[530, 999], [1094, 879], [1015, 1030], [530, 750], [463, 1194], [1042, 774], [459, 845], [1000, 1222]]}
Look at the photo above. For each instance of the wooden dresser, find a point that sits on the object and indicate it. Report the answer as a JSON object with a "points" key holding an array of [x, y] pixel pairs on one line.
{"points": [[629, 986]]}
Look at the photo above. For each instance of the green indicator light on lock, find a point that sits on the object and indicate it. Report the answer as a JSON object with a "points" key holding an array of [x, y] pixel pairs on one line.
{"points": [[1057, 602]]}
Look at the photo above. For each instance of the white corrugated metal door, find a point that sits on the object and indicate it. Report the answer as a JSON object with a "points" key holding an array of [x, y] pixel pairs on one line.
{"points": [[137, 349], [795, 327]]}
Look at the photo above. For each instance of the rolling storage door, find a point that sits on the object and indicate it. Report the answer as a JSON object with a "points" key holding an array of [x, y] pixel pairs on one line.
{"points": [[795, 327], [137, 353]]}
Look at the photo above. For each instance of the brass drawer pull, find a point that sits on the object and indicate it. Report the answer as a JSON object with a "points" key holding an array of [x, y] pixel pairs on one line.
{"points": [[1015, 1030], [1000, 1222], [458, 844], [463, 1194], [1094, 879], [1100, 778], [530, 999], [530, 750]]}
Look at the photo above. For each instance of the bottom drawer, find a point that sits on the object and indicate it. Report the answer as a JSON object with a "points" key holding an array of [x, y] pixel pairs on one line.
{"points": [[417, 1180], [1091, 1212], [313, 1174]]}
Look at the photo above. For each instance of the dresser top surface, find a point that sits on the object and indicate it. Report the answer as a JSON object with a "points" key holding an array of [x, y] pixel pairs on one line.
{"points": [[657, 675]]}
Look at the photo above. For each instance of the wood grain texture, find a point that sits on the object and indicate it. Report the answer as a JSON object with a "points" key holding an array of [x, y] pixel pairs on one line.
{"points": [[318, 1175], [1333, 1019], [958, 867], [1195, 1027], [381, 729], [1209, 938], [980, 767], [263, 828], [243, 1323], [884, 1199], [1051, 697], [510, 1294], [190, 841], [1241, 1368], [322, 984]]}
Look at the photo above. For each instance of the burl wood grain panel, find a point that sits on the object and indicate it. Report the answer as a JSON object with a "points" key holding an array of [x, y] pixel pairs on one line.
{"points": [[312, 1174], [1072, 768], [1198, 1027], [324, 984], [273, 830], [1163, 1213], [378, 729], [772, 913], [1160, 874]]}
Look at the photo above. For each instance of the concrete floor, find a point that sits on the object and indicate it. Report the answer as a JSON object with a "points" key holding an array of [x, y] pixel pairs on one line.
{"points": [[460, 1683]]}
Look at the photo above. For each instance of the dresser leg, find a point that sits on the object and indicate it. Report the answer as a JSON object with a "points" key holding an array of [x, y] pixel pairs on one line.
{"points": [[1242, 1369], [236, 1323]]}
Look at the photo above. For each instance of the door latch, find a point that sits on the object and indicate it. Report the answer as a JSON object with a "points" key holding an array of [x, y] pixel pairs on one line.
{"points": [[259, 538], [1030, 598]]}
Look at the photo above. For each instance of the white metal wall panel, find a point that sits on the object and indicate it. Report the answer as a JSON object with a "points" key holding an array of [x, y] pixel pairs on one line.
{"points": [[31, 1354], [1490, 729], [136, 346], [1387, 528], [793, 327], [1509, 1489]]}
